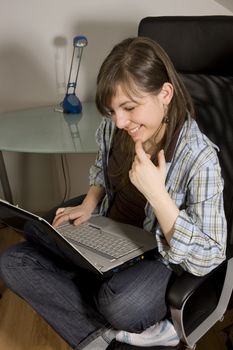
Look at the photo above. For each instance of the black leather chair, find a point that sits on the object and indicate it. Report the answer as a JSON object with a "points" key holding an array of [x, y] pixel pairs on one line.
{"points": [[201, 49]]}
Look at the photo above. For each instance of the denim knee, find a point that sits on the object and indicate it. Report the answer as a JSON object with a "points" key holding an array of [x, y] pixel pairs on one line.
{"points": [[11, 262], [120, 311], [135, 300]]}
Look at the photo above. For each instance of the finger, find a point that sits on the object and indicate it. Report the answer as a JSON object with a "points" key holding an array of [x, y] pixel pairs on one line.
{"points": [[162, 160], [60, 210], [79, 221], [140, 153], [58, 220]]}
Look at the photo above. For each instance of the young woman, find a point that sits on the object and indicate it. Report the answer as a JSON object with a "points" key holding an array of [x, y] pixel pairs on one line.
{"points": [[154, 169]]}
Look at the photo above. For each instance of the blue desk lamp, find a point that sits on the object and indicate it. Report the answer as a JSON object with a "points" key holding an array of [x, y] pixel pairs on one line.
{"points": [[71, 103]]}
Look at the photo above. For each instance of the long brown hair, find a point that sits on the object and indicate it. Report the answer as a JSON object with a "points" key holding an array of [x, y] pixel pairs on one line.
{"points": [[141, 63]]}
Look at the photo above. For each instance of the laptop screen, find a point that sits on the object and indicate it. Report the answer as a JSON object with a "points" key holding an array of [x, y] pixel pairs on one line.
{"points": [[10, 216]]}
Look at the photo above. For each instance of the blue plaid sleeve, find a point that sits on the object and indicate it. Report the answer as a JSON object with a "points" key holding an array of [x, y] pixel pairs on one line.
{"points": [[96, 174], [199, 240], [104, 135]]}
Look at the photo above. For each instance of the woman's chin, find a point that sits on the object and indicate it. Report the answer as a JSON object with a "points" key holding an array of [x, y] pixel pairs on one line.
{"points": [[137, 138]]}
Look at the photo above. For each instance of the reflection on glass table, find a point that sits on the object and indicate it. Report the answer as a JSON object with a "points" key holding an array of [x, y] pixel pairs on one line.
{"points": [[73, 121], [46, 130]]}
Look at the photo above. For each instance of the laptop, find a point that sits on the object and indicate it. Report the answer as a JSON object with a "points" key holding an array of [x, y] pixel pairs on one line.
{"points": [[100, 245]]}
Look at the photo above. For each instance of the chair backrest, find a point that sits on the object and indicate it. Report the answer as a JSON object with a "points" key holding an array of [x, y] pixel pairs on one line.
{"points": [[201, 48]]}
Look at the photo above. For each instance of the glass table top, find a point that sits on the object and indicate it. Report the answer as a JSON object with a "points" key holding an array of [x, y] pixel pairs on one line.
{"points": [[45, 130]]}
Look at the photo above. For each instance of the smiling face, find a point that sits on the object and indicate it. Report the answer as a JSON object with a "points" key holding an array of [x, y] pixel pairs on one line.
{"points": [[141, 114]]}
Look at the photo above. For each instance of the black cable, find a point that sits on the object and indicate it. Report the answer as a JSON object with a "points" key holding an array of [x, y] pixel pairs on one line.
{"points": [[66, 177]]}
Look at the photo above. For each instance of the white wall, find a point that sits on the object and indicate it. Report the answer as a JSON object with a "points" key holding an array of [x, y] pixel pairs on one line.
{"points": [[35, 52]]}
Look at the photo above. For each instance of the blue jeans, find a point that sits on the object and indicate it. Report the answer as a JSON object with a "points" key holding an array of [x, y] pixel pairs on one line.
{"points": [[76, 303]]}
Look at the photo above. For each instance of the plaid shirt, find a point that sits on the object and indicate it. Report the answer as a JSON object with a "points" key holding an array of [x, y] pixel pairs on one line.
{"points": [[195, 184]]}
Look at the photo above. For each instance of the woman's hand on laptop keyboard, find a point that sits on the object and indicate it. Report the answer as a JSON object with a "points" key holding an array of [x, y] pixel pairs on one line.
{"points": [[76, 215], [81, 213]]}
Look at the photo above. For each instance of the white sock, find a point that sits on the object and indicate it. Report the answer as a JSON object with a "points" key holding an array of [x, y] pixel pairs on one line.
{"points": [[97, 344], [162, 333], [102, 341]]}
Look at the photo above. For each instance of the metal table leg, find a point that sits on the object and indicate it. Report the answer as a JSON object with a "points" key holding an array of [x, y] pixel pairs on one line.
{"points": [[4, 180]]}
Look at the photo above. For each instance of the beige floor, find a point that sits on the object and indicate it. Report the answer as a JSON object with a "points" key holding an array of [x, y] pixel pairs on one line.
{"points": [[21, 328]]}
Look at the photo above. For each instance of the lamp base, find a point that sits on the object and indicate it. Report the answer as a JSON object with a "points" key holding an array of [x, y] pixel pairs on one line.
{"points": [[71, 104]]}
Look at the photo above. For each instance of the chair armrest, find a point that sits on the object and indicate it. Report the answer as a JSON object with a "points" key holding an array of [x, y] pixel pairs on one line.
{"points": [[185, 285]]}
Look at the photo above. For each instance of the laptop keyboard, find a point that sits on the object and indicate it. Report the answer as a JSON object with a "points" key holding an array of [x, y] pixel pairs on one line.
{"points": [[95, 239]]}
